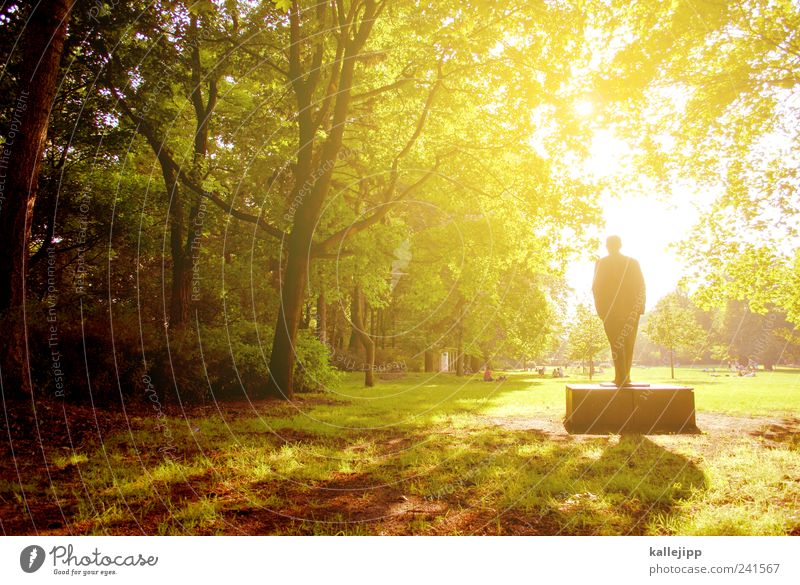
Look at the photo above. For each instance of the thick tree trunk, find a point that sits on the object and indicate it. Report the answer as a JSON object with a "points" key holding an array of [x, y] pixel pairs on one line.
{"points": [[312, 180], [180, 300], [293, 285], [429, 361], [20, 160]]}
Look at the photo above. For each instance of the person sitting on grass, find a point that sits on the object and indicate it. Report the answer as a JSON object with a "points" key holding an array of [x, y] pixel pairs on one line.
{"points": [[487, 374]]}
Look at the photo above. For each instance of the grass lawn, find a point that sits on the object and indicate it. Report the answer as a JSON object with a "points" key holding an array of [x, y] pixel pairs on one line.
{"points": [[428, 454]]}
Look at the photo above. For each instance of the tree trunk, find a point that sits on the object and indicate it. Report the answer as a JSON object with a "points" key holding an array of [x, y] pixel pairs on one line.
{"points": [[282, 359], [333, 332], [355, 344], [429, 361], [312, 182], [474, 363], [369, 367], [322, 318], [460, 351], [22, 156], [185, 239], [394, 337], [382, 326], [672, 363], [365, 339], [181, 266]]}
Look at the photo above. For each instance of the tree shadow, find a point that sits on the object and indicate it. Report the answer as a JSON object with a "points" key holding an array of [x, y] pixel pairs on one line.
{"points": [[496, 481], [427, 475]]}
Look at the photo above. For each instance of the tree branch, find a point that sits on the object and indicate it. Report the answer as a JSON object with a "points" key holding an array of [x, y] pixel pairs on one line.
{"points": [[167, 159], [377, 91], [321, 249]]}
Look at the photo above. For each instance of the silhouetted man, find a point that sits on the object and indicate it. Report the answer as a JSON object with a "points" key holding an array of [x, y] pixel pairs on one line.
{"points": [[619, 297]]}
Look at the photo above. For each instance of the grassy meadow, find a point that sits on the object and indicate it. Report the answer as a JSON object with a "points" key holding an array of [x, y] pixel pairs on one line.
{"points": [[429, 454]]}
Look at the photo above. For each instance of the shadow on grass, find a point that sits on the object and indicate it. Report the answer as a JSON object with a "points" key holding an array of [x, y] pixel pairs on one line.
{"points": [[487, 482], [423, 475]]}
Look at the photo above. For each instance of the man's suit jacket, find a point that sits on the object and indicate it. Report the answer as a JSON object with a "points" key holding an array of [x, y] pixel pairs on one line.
{"points": [[618, 287]]}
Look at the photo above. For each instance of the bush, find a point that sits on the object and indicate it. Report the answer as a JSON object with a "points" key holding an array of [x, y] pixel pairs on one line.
{"points": [[230, 362], [396, 360], [83, 361], [223, 362], [314, 370]]}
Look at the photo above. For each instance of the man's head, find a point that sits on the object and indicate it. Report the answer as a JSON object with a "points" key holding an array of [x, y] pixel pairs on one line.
{"points": [[613, 244]]}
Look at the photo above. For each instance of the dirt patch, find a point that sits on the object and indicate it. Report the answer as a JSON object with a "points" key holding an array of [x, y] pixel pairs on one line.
{"points": [[785, 431], [491, 522], [552, 427], [347, 503], [776, 429]]}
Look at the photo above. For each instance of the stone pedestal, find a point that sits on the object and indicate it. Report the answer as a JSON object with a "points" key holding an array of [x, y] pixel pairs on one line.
{"points": [[602, 409]]}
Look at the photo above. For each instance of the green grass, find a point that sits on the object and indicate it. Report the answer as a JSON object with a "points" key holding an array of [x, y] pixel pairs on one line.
{"points": [[442, 455], [721, 391]]}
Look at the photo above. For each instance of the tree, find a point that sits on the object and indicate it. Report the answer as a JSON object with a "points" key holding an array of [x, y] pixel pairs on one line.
{"points": [[301, 136], [750, 337], [673, 326], [441, 72], [707, 91], [44, 37], [587, 337]]}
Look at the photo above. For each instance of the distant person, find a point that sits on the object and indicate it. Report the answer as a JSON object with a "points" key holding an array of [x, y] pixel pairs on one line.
{"points": [[619, 297], [487, 375]]}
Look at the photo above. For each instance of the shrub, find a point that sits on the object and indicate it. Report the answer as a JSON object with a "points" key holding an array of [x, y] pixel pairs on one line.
{"points": [[314, 370]]}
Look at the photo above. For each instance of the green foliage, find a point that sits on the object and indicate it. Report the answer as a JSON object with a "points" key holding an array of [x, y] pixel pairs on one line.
{"points": [[709, 92], [587, 338], [314, 371], [672, 325], [282, 5], [230, 361]]}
